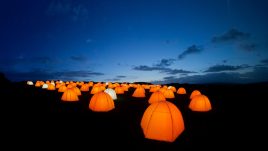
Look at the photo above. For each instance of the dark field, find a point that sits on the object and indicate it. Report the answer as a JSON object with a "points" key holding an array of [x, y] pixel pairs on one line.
{"points": [[34, 118]]}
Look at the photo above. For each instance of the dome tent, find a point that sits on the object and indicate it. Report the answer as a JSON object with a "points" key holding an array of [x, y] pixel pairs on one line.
{"points": [[156, 97], [30, 83], [194, 93], [45, 86], [200, 103], [181, 90], [101, 102], [162, 121], [111, 92], [69, 95], [139, 92]]}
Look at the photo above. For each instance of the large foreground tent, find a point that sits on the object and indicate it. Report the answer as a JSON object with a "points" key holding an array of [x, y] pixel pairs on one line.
{"points": [[101, 102], [162, 121]]}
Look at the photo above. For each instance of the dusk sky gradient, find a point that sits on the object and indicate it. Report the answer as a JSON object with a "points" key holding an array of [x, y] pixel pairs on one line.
{"points": [[160, 41]]}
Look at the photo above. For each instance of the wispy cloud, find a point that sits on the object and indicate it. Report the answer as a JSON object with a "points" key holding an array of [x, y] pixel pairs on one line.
{"points": [[264, 61], [170, 78], [190, 50], [148, 68], [79, 58], [258, 74], [248, 46], [219, 68], [230, 36], [121, 76], [75, 11], [79, 73], [176, 71], [162, 70], [165, 62]]}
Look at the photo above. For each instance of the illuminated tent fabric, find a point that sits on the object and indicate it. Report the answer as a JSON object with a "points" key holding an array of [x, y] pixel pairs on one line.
{"points": [[200, 103], [38, 84], [101, 102], [162, 121], [156, 97], [181, 90], [84, 87], [95, 89], [76, 90], [119, 90], [45, 86], [194, 93], [30, 83], [51, 87], [169, 94], [172, 88], [69, 95], [62, 88], [111, 92], [139, 92]]}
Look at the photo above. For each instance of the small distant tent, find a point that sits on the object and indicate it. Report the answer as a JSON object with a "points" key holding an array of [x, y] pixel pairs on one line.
{"points": [[139, 92], [30, 83], [51, 87], [156, 97], [62, 88], [181, 90], [69, 95], [111, 92], [194, 93], [101, 102], [200, 103], [169, 94], [45, 86], [162, 121]]}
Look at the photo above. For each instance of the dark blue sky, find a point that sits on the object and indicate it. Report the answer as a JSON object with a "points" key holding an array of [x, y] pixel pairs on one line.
{"points": [[135, 40]]}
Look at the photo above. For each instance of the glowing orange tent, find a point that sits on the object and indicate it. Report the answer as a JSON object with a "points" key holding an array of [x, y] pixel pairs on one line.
{"points": [[101, 102], [62, 88], [84, 87], [181, 90], [200, 103], [139, 92], [162, 121], [156, 97], [119, 90], [76, 90], [169, 94], [95, 89], [69, 95], [194, 93], [51, 87]]}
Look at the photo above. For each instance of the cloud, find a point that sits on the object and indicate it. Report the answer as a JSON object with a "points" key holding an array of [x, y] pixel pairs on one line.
{"points": [[148, 68], [248, 46], [258, 74], [113, 79], [79, 73], [169, 78], [264, 61], [190, 50], [41, 74], [162, 70], [176, 71], [219, 68], [224, 61], [230, 36], [165, 62], [121, 76], [79, 58], [75, 11]]}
